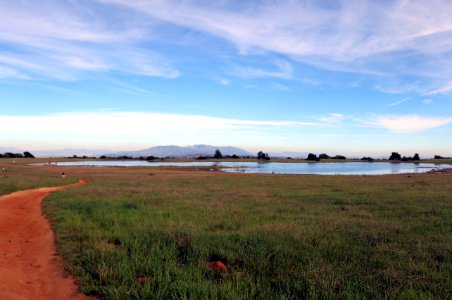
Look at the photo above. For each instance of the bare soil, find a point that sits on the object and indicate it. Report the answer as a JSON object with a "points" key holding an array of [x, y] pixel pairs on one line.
{"points": [[29, 266]]}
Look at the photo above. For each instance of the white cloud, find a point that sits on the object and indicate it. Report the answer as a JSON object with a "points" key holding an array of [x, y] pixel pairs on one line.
{"points": [[427, 101], [409, 123], [130, 123]]}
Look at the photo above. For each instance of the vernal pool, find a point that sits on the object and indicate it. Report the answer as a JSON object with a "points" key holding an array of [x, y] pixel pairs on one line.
{"points": [[319, 168]]}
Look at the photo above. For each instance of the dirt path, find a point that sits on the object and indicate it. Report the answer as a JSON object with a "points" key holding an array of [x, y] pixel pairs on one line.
{"points": [[28, 265]]}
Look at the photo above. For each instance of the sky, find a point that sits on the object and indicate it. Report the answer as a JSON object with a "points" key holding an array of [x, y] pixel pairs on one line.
{"points": [[348, 77]]}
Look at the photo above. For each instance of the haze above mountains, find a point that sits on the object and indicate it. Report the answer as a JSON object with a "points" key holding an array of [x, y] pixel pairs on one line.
{"points": [[158, 151]]}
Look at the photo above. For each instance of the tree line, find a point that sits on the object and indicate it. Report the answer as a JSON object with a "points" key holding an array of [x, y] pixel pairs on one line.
{"points": [[397, 156], [26, 154]]}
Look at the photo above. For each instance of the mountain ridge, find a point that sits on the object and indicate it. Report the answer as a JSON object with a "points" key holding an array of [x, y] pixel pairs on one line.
{"points": [[182, 151]]}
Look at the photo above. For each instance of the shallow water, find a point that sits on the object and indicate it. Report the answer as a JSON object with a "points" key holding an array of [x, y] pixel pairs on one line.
{"points": [[336, 168]]}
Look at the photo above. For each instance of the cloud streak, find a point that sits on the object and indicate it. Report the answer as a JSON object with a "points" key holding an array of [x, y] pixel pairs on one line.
{"points": [[360, 36], [104, 129], [399, 102], [71, 40], [446, 89], [132, 123], [409, 123], [284, 70], [64, 40]]}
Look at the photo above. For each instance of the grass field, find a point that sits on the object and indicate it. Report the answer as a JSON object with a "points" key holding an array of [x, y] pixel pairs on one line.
{"points": [[140, 233], [21, 177]]}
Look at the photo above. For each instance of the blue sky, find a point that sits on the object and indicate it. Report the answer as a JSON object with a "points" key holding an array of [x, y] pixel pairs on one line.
{"points": [[350, 77]]}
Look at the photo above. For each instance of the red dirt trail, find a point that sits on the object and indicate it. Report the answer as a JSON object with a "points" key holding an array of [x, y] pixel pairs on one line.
{"points": [[29, 268]]}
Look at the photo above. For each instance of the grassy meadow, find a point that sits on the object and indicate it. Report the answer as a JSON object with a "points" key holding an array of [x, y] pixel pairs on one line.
{"points": [[148, 233], [19, 176]]}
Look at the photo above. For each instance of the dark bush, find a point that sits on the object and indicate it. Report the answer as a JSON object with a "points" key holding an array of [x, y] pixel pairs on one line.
{"points": [[202, 157], [339, 157], [368, 158], [312, 156]]}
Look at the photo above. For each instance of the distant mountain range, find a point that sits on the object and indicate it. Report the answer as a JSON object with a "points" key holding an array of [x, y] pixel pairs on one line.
{"points": [[182, 152], [162, 151], [159, 151]]}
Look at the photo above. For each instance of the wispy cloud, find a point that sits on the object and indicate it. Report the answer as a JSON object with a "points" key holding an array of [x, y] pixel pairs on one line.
{"points": [[399, 102], [333, 118], [409, 123], [66, 40], [70, 40], [363, 36], [283, 70], [445, 89], [224, 81], [8, 72]]}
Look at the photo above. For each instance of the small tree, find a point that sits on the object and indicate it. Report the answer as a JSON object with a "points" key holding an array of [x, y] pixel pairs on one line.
{"points": [[217, 154], [28, 155], [416, 157], [395, 156], [262, 156]]}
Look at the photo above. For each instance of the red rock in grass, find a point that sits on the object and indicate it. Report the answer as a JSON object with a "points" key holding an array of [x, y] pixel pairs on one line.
{"points": [[217, 266]]}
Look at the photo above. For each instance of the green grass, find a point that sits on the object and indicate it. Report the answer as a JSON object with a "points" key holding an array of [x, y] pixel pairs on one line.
{"points": [[22, 177], [132, 234]]}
